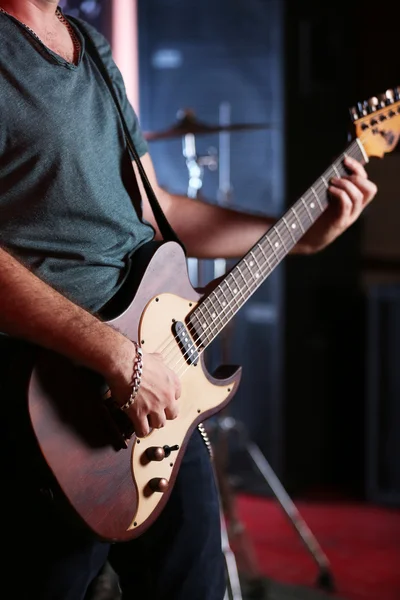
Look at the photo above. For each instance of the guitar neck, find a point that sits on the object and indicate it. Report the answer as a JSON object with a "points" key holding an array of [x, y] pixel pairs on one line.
{"points": [[217, 309]]}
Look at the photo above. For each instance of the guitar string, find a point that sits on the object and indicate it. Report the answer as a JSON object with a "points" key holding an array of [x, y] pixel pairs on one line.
{"points": [[385, 112], [171, 342], [182, 356], [236, 302]]}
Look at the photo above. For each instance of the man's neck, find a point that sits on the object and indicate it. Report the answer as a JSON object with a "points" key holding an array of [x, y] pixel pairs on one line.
{"points": [[34, 13]]}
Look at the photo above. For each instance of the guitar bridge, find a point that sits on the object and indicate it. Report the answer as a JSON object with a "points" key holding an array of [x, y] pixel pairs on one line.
{"points": [[186, 343]]}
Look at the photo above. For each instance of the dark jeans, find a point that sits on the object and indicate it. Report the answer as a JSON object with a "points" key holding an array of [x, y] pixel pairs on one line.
{"points": [[45, 557], [178, 558]]}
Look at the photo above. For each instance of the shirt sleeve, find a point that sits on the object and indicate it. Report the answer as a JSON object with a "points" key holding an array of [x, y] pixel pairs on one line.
{"points": [[131, 118]]}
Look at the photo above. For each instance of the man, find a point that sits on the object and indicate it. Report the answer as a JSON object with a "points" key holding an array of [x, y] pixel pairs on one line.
{"points": [[68, 234]]}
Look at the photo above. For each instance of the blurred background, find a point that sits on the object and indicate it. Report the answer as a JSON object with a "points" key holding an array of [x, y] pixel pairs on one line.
{"points": [[319, 342]]}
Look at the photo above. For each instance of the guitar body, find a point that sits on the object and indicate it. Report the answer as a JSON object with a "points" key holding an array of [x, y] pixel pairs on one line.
{"points": [[102, 468], [108, 475]]}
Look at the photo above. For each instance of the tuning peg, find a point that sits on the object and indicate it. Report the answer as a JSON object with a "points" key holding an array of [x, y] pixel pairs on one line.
{"points": [[389, 95], [354, 113], [381, 100], [362, 110], [373, 104]]}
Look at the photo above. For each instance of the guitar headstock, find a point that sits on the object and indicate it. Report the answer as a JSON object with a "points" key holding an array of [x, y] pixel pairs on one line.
{"points": [[377, 122]]}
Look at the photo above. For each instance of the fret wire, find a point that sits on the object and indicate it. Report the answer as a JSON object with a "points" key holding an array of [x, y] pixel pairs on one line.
{"points": [[241, 274], [287, 236], [202, 336], [289, 229], [281, 238], [313, 205], [254, 276], [265, 256], [299, 211], [248, 267], [218, 310], [272, 246], [237, 286], [298, 220], [205, 304], [203, 326], [234, 297], [233, 314], [256, 261], [308, 210], [317, 197], [277, 243], [226, 299]]}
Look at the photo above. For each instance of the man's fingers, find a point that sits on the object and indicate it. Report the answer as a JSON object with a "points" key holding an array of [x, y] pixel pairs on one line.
{"points": [[171, 413], [141, 425], [178, 388], [156, 420], [355, 167]]}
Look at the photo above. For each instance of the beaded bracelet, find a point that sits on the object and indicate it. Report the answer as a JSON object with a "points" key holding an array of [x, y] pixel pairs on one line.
{"points": [[137, 377]]}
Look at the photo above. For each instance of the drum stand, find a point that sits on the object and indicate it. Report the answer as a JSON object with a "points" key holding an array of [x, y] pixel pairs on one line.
{"points": [[224, 425]]}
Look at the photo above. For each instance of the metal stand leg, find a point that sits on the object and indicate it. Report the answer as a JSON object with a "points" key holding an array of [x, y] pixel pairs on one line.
{"points": [[233, 591], [325, 578]]}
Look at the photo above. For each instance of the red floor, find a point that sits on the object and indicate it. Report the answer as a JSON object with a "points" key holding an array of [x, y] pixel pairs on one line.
{"points": [[362, 543]]}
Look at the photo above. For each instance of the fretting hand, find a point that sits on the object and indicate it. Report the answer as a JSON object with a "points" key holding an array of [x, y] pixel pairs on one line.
{"points": [[349, 196]]}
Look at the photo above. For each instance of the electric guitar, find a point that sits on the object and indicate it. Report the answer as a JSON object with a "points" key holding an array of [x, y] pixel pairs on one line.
{"points": [[117, 483]]}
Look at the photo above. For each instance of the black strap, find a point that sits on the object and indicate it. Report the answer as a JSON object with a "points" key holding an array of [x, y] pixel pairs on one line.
{"points": [[164, 226]]}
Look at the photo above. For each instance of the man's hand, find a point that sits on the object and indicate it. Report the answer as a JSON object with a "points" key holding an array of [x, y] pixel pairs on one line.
{"points": [[157, 398], [350, 195]]}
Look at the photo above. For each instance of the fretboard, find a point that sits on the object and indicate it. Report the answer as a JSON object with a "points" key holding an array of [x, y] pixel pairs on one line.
{"points": [[216, 310]]}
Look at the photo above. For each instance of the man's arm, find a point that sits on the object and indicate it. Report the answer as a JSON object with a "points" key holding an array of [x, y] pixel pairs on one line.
{"points": [[211, 231], [33, 311]]}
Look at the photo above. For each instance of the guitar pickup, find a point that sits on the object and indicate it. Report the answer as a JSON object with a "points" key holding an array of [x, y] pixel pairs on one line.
{"points": [[186, 343]]}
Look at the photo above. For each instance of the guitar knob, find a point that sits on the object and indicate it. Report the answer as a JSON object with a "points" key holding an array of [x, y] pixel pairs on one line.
{"points": [[159, 484], [155, 453]]}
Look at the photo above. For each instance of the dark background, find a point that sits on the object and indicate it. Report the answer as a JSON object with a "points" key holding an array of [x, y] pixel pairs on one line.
{"points": [[320, 341]]}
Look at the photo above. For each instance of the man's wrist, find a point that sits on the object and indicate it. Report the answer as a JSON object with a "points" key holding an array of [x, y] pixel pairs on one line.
{"points": [[120, 358]]}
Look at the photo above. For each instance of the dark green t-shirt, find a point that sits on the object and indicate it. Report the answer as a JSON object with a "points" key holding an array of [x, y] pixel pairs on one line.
{"points": [[65, 208]]}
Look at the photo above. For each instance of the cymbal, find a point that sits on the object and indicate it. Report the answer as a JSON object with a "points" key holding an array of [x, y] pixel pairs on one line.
{"points": [[189, 124]]}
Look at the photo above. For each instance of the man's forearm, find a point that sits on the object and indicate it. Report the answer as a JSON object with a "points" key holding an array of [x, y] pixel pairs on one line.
{"points": [[219, 231], [33, 311]]}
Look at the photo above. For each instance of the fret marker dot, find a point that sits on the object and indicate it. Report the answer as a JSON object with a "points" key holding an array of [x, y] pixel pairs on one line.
{"points": [[293, 225], [312, 205], [224, 303], [213, 315], [276, 244], [235, 291], [251, 263], [257, 275]]}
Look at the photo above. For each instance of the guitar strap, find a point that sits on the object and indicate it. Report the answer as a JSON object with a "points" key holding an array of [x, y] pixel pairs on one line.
{"points": [[164, 226]]}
